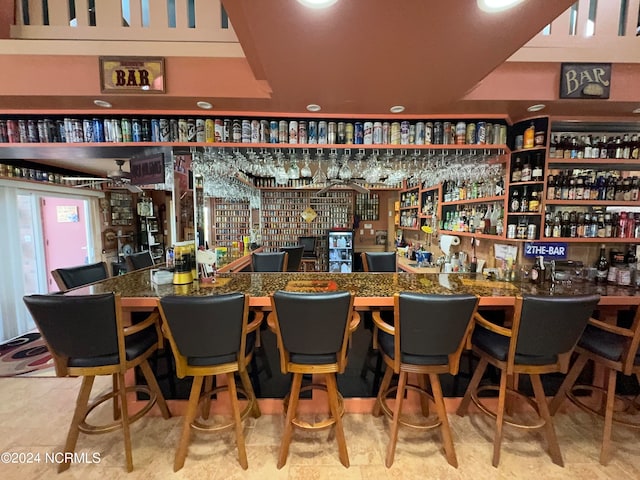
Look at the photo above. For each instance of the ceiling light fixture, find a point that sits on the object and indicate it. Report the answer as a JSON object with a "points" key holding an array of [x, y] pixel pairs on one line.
{"points": [[536, 108], [397, 109], [102, 103], [637, 110], [204, 105], [314, 107], [317, 3], [493, 6]]}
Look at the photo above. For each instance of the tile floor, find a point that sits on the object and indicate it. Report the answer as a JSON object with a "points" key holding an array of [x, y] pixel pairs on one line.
{"points": [[35, 412]]}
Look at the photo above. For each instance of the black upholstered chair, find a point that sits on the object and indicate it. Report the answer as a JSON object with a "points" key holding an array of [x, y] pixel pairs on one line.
{"points": [[313, 331], [209, 336], [309, 252], [86, 338], [139, 260], [541, 340], [379, 261], [615, 348], [269, 261], [427, 337], [72, 277], [294, 257]]}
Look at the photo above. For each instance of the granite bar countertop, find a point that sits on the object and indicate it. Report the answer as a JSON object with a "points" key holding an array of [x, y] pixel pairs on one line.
{"points": [[371, 289]]}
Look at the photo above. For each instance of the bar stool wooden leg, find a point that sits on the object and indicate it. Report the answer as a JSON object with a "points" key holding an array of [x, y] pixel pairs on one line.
{"points": [[291, 414], [155, 388], [332, 391], [543, 410], [116, 400], [189, 416], [82, 404], [206, 401], [242, 451], [567, 384], [395, 424], [124, 412], [605, 450], [384, 386], [497, 440], [447, 438], [473, 386], [246, 383], [424, 401]]}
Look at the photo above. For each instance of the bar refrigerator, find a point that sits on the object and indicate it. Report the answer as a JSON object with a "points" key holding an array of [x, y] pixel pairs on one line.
{"points": [[340, 251]]}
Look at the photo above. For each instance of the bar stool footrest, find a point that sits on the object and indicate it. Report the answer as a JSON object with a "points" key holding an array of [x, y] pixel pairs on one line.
{"points": [[432, 421], [509, 421], [216, 427], [324, 423], [629, 406]]}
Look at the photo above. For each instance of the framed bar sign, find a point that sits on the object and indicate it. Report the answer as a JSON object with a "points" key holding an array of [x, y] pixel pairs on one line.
{"points": [[132, 75], [585, 80]]}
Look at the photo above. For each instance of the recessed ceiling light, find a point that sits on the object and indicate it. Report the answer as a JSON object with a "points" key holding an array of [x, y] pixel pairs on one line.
{"points": [[204, 105], [314, 107], [102, 103], [397, 109], [317, 3], [536, 108], [637, 110], [497, 5]]}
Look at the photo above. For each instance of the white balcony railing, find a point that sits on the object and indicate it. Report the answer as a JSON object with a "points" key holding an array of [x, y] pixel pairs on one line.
{"points": [[589, 31], [122, 20]]}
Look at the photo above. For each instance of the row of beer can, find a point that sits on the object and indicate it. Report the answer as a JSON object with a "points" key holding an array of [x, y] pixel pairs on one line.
{"points": [[209, 130]]}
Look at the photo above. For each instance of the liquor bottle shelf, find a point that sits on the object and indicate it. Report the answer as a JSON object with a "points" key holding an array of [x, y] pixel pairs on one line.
{"points": [[473, 234], [475, 200], [604, 203], [590, 240]]}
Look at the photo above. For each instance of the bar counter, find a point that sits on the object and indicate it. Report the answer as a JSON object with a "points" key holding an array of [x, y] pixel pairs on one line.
{"points": [[371, 289]]}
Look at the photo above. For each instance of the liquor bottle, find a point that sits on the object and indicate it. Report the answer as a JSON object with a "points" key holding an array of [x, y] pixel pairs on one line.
{"points": [[557, 227], [551, 187], [534, 201], [595, 148], [602, 266], [548, 225], [553, 147], [536, 275], [635, 147], [623, 226], [524, 201], [604, 147], [626, 146], [536, 173], [529, 134], [525, 175], [514, 204], [521, 229], [588, 149], [579, 189], [516, 174]]}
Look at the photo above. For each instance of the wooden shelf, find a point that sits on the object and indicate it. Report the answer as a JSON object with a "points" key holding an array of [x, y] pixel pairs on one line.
{"points": [[469, 234], [410, 208], [524, 184], [590, 240], [603, 163], [527, 150], [588, 203], [475, 200], [518, 214]]}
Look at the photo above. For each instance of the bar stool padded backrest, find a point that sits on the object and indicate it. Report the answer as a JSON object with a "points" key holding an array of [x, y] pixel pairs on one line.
{"points": [[313, 325], [139, 260], [79, 329], [309, 244], [294, 257], [551, 326], [206, 329], [379, 261], [72, 277], [269, 261], [433, 325]]}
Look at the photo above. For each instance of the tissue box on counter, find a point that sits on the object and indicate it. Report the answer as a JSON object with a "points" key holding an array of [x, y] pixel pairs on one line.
{"points": [[161, 277]]}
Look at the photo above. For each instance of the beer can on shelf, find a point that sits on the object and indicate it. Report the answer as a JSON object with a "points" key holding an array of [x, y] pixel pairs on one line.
{"points": [[412, 134], [125, 125], [293, 132], [43, 132], [332, 133], [165, 130], [273, 131], [98, 130], [246, 131], [395, 133], [461, 133], [348, 133], [489, 133], [183, 130], [22, 131], [227, 130], [219, 130], [448, 133], [200, 130], [107, 127], [404, 132], [78, 133], [470, 136], [87, 131], [13, 136], [438, 133], [264, 131], [481, 133], [236, 131], [386, 133], [32, 131], [322, 132], [283, 131], [3, 136], [428, 133], [502, 139], [174, 128], [367, 135], [419, 135], [531, 231], [145, 125], [209, 130], [191, 129], [302, 131], [136, 130], [358, 133], [377, 133]]}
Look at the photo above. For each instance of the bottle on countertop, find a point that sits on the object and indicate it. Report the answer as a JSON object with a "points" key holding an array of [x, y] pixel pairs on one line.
{"points": [[537, 271], [602, 266]]}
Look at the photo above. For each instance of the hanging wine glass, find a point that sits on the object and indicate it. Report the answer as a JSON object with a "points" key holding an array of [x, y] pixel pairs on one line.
{"points": [[305, 171], [345, 172], [333, 169]]}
